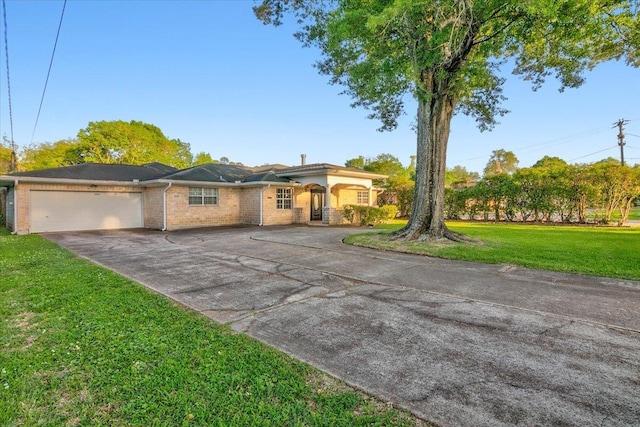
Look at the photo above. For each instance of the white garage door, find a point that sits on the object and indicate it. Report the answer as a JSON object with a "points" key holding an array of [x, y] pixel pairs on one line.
{"points": [[75, 210]]}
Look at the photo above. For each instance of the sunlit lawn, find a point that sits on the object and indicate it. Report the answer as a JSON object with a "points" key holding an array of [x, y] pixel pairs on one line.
{"points": [[80, 345], [599, 251]]}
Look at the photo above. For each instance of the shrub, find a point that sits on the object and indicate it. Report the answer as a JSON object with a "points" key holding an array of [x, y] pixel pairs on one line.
{"points": [[368, 214], [389, 211]]}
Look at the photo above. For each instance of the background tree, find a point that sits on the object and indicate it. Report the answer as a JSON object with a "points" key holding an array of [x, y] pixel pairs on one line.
{"points": [[399, 185], [385, 164], [202, 158], [632, 190], [618, 186], [501, 161], [460, 175], [51, 155], [356, 163], [447, 55], [5, 156], [557, 179], [132, 143]]}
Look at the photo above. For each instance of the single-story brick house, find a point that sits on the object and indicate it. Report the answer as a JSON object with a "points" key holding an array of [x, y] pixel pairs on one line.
{"points": [[94, 196]]}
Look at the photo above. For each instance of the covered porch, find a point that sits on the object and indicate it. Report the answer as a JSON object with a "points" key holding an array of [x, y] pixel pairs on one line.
{"points": [[325, 189]]}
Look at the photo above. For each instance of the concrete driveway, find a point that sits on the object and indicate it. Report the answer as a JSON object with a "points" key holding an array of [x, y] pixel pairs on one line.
{"points": [[455, 343]]}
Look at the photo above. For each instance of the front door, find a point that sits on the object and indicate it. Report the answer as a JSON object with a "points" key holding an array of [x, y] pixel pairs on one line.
{"points": [[317, 203]]}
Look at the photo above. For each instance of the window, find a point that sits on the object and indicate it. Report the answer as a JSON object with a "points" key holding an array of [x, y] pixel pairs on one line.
{"points": [[284, 197], [203, 196], [362, 198]]}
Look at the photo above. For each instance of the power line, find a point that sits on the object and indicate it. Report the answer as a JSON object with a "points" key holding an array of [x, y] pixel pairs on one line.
{"points": [[561, 140], [12, 166], [55, 44], [591, 154], [553, 142]]}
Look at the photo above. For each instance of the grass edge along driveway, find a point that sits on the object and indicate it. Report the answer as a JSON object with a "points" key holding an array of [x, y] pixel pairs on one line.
{"points": [[81, 345], [596, 251]]}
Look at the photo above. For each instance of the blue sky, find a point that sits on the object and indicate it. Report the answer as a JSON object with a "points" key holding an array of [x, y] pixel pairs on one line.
{"points": [[210, 74]]}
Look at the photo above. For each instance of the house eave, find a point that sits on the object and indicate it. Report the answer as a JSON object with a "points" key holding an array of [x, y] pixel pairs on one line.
{"points": [[161, 182], [333, 172], [11, 180]]}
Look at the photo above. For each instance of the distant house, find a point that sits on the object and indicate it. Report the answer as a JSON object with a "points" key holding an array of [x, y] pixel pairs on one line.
{"points": [[107, 196]]}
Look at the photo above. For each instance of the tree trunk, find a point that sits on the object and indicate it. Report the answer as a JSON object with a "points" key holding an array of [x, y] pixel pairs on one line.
{"points": [[435, 112]]}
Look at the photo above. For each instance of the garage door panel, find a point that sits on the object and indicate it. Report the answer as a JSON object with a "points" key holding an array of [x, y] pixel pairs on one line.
{"points": [[73, 211]]}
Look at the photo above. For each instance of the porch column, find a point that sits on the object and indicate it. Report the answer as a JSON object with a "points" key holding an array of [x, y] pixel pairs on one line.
{"points": [[326, 212], [371, 197]]}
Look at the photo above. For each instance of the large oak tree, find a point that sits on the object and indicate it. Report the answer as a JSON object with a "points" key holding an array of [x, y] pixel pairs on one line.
{"points": [[448, 55]]}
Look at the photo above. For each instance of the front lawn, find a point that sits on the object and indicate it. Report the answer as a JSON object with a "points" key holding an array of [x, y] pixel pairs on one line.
{"points": [[80, 345], [599, 251]]}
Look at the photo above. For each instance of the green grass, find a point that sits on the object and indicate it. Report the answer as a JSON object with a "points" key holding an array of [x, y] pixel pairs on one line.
{"points": [[598, 251], [80, 345]]}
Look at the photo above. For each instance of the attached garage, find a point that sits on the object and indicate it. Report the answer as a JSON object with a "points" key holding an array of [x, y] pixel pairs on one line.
{"points": [[84, 210]]}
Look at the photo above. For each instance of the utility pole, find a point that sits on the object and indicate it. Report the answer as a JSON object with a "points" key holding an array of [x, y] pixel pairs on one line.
{"points": [[620, 123]]}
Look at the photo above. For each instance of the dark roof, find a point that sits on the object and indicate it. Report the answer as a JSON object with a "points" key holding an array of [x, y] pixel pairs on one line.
{"points": [[102, 172], [265, 177], [266, 168], [314, 166], [325, 167], [160, 167], [211, 172]]}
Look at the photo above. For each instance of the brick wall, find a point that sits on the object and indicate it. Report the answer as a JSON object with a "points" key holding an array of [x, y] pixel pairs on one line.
{"points": [[349, 197], [250, 205], [270, 214], [154, 208], [182, 215], [302, 205]]}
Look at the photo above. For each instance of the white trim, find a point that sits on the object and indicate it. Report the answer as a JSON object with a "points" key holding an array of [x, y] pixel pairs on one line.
{"points": [[283, 199], [335, 172], [15, 207], [218, 184], [262, 202], [135, 183], [361, 194], [164, 207], [203, 196]]}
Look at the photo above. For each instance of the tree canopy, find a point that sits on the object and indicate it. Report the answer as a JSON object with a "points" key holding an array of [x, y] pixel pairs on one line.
{"points": [[5, 157], [131, 142], [460, 175], [202, 158], [118, 141], [51, 155], [501, 161], [448, 55]]}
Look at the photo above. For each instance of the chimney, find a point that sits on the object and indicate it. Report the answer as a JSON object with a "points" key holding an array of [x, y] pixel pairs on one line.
{"points": [[303, 159]]}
